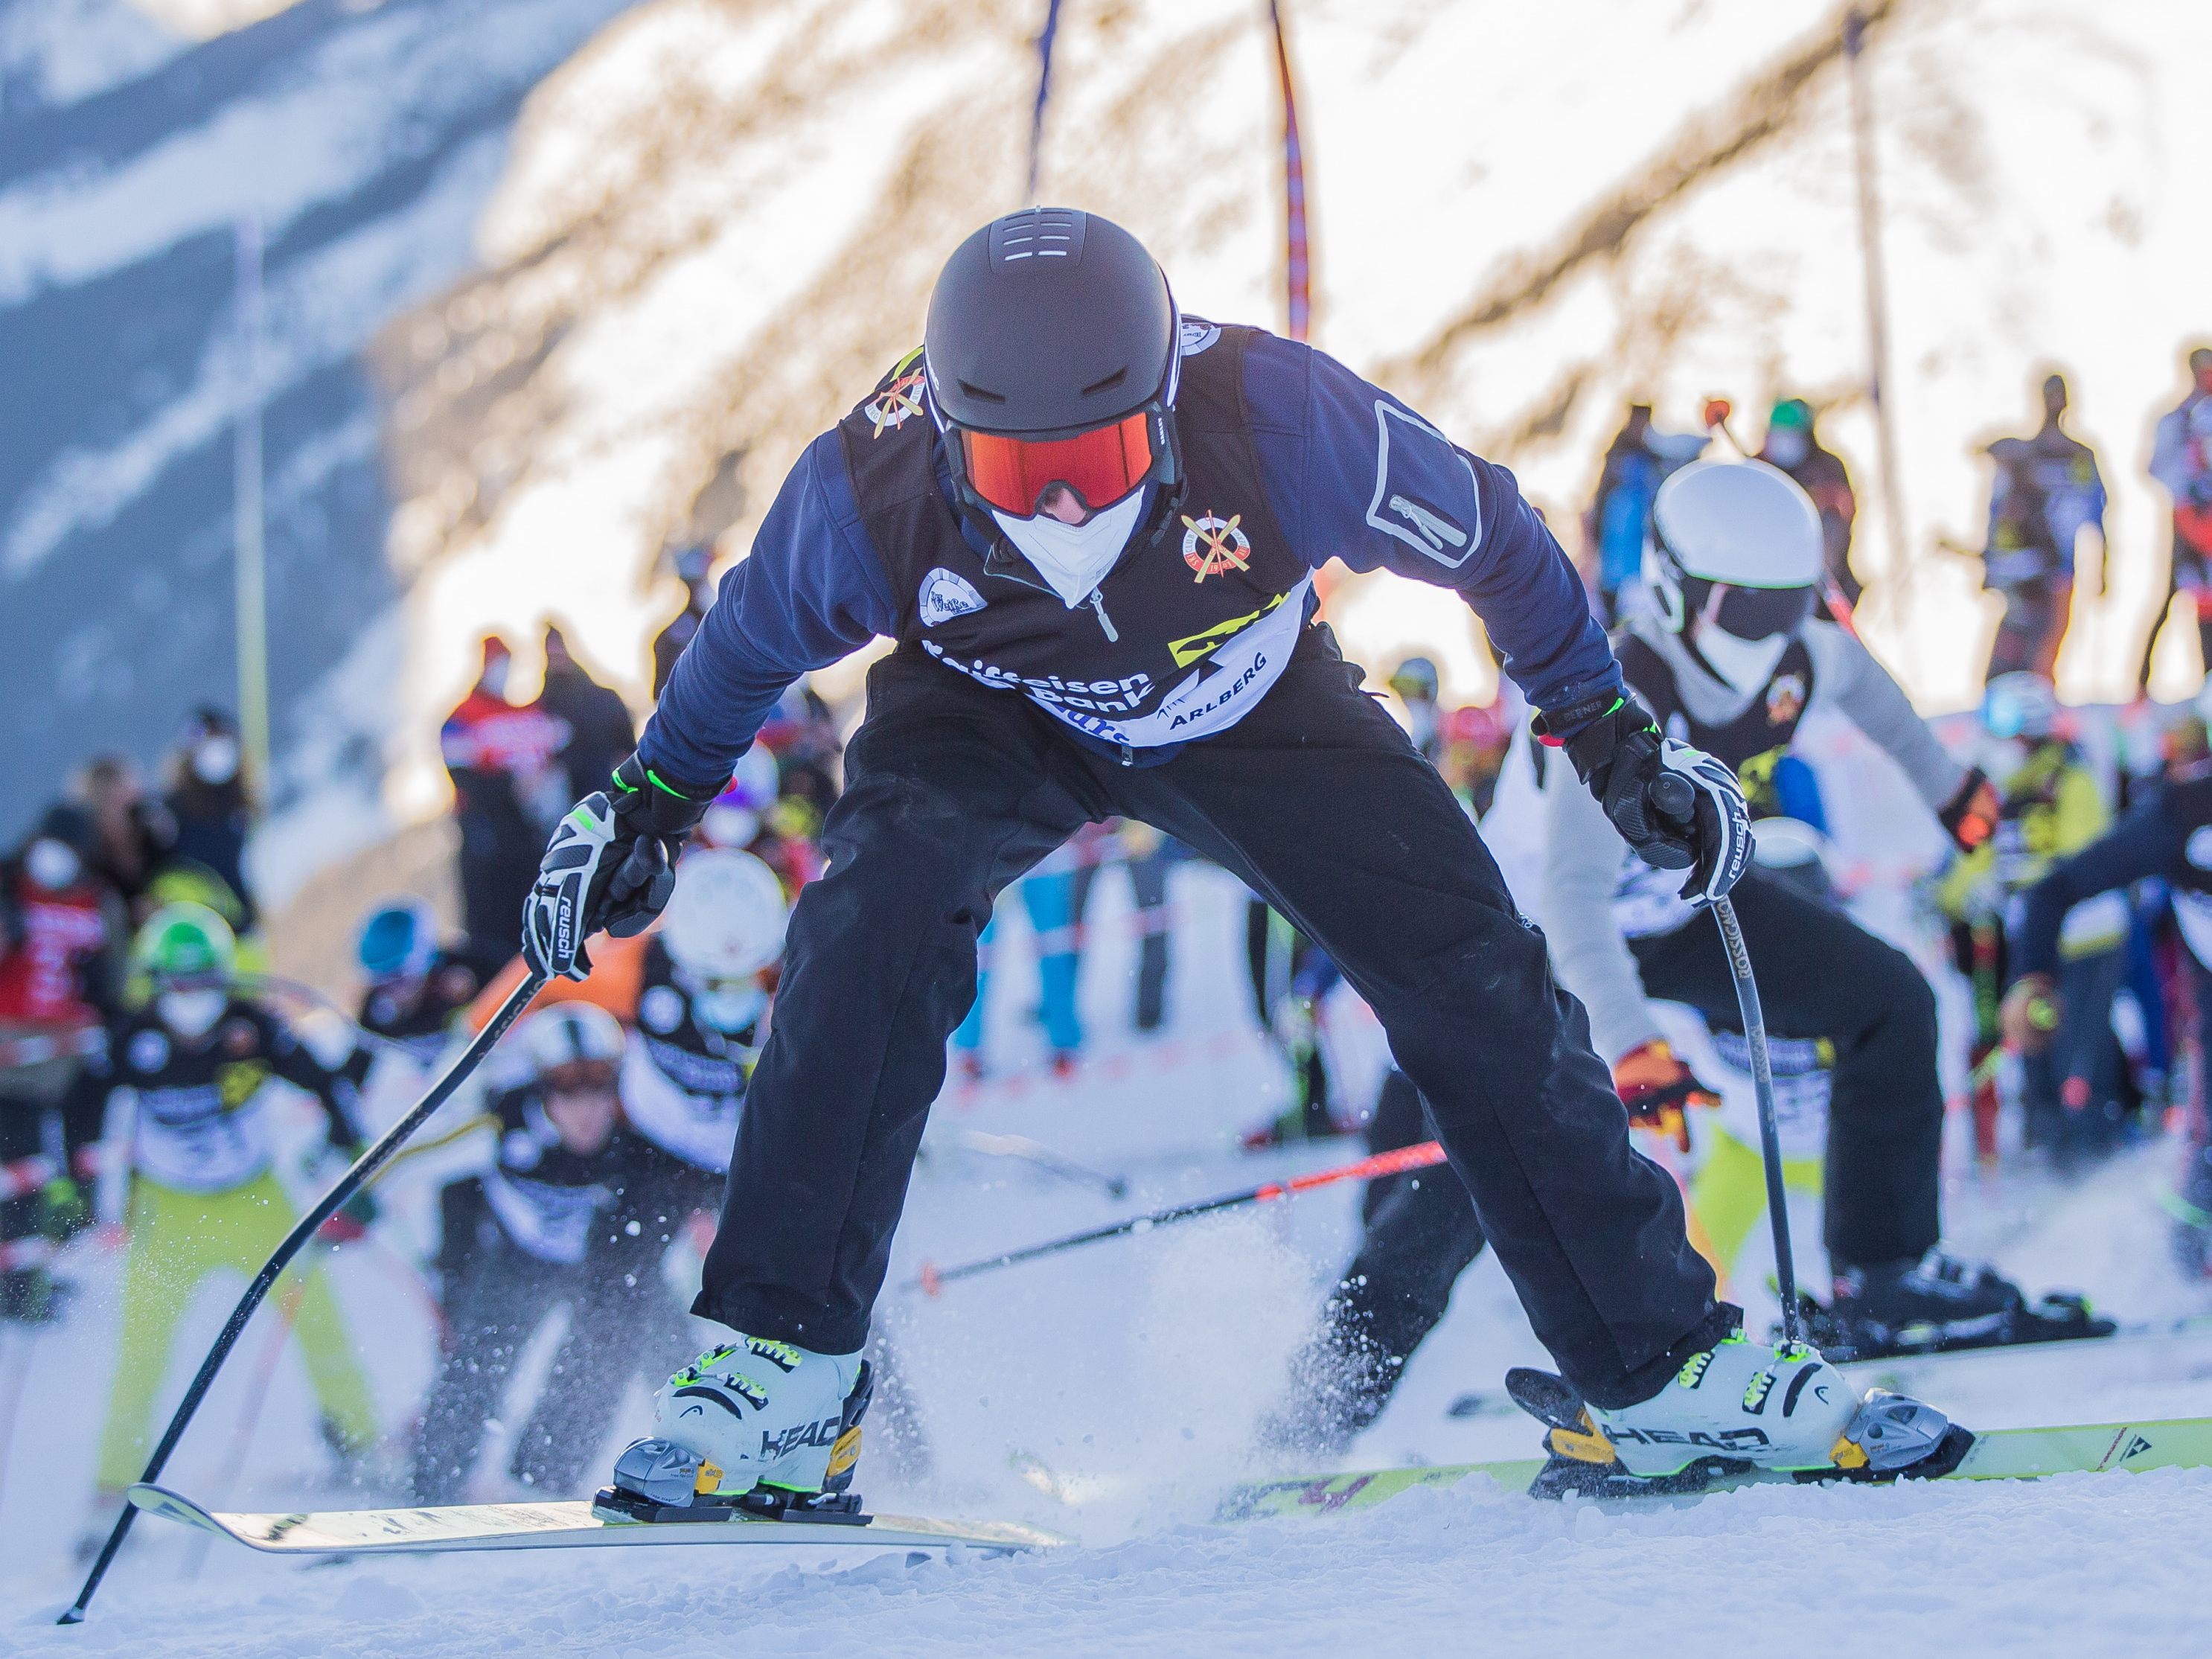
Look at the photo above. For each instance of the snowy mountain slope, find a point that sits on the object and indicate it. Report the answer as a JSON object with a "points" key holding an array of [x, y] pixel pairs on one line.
{"points": [[721, 221], [365, 140]]}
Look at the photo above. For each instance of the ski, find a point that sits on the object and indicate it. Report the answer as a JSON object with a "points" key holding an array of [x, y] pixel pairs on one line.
{"points": [[2188, 1338], [1904, 1372], [565, 1526], [1997, 1454]]}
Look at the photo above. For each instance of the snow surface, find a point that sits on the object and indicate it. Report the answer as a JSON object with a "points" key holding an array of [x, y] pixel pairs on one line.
{"points": [[1127, 1378]]}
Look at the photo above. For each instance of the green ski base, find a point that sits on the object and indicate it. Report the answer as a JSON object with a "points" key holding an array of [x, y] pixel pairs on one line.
{"points": [[1998, 1455]]}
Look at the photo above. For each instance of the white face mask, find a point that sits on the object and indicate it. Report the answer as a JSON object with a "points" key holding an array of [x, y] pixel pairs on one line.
{"points": [[50, 864], [190, 1013], [729, 1008], [1075, 557], [1787, 446], [1746, 665], [215, 762]]}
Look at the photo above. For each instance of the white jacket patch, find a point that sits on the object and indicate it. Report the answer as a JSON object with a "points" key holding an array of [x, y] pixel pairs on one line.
{"points": [[946, 594]]}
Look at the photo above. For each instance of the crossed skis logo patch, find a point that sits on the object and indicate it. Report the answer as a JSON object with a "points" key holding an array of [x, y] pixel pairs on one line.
{"points": [[895, 406], [1214, 547], [946, 594]]}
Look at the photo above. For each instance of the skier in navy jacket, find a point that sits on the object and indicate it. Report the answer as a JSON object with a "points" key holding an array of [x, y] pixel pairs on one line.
{"points": [[1091, 523]]}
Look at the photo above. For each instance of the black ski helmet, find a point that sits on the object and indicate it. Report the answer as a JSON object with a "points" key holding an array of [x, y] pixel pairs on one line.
{"points": [[1048, 324], [1048, 320]]}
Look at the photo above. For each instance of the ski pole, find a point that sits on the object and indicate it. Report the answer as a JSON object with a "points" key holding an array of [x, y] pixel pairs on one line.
{"points": [[1769, 1134], [931, 1278], [305, 1229], [1031, 1152]]}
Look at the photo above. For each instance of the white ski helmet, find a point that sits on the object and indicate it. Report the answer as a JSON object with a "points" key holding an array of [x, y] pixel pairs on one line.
{"points": [[1734, 558], [725, 918], [569, 1035]]}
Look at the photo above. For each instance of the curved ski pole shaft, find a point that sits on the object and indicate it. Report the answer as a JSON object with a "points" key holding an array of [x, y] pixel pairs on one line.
{"points": [[331, 1202], [1396, 1162], [1769, 1134]]}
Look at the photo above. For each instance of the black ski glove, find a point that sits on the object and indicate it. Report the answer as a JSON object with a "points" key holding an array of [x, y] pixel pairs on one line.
{"points": [[610, 865], [1676, 806]]}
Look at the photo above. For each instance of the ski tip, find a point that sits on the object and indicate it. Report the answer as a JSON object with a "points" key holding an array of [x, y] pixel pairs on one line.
{"points": [[171, 1506]]}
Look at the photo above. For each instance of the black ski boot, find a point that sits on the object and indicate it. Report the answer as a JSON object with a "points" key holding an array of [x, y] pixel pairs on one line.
{"points": [[1935, 1304]]}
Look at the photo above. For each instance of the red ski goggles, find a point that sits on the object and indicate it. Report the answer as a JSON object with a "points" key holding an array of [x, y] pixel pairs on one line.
{"points": [[1101, 465]]}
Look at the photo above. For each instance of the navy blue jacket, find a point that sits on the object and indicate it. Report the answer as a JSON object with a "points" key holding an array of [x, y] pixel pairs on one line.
{"points": [[815, 588]]}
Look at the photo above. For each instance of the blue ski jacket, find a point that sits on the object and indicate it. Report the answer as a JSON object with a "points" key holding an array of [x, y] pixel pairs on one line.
{"points": [[815, 588]]}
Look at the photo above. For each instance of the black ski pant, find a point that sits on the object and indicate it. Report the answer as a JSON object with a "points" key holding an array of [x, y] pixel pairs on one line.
{"points": [[496, 1297], [1319, 802], [1820, 974]]}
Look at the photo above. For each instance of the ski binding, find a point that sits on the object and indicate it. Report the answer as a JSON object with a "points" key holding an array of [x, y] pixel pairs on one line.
{"points": [[657, 1481], [1891, 1439]]}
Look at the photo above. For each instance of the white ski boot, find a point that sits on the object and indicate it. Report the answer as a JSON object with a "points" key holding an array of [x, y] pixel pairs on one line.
{"points": [[1738, 1406], [1738, 1399], [753, 1426]]}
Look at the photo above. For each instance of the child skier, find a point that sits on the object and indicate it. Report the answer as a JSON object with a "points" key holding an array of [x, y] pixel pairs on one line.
{"points": [[197, 1064], [544, 1223]]}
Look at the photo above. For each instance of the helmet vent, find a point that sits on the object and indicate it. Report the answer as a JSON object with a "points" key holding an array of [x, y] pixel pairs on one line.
{"points": [[1106, 385], [1039, 234], [977, 391]]}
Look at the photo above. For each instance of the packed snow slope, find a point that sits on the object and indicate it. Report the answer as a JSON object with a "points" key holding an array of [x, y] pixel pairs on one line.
{"points": [[1111, 1394], [721, 220], [364, 140]]}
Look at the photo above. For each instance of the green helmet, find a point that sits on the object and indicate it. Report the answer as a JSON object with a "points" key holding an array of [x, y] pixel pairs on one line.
{"points": [[185, 947]]}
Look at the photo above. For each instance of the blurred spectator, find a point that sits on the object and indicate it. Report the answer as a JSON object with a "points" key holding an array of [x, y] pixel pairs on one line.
{"points": [[533, 1231], [802, 733], [1640, 458], [61, 955], [1793, 444], [2047, 490], [2181, 460], [209, 812], [509, 792], [2052, 806], [128, 831], [415, 984], [601, 732], [1414, 682], [692, 564], [1475, 740]]}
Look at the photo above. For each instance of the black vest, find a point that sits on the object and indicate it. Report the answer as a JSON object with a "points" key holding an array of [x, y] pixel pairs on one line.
{"points": [[1750, 743], [1185, 633]]}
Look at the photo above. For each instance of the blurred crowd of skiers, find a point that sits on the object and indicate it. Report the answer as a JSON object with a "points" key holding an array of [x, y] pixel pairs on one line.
{"points": [[135, 1011], [2045, 492]]}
